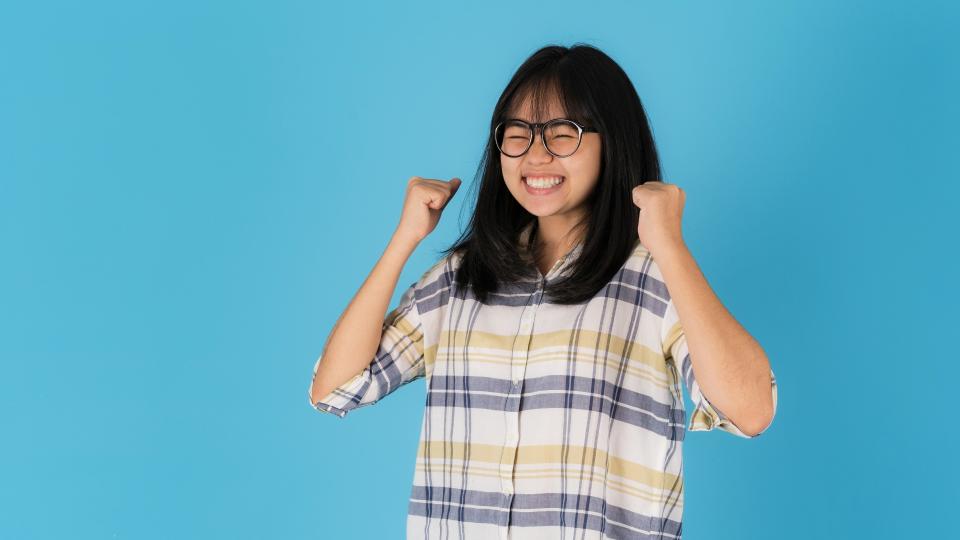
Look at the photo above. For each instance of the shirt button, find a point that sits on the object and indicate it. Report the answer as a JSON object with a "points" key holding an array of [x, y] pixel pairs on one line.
{"points": [[516, 382]]}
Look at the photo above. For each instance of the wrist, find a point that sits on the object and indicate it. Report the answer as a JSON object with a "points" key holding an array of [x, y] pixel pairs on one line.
{"points": [[670, 252], [403, 241]]}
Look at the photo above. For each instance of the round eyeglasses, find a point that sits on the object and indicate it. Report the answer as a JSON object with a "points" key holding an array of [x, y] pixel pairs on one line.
{"points": [[560, 136]]}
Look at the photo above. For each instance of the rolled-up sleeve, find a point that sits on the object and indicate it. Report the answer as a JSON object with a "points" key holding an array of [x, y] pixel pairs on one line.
{"points": [[705, 415], [398, 361]]}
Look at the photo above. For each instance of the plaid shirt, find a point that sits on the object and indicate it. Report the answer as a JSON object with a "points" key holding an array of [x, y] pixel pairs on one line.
{"points": [[542, 419]]}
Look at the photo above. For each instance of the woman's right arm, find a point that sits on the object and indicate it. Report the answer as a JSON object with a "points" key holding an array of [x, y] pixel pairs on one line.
{"points": [[355, 336]]}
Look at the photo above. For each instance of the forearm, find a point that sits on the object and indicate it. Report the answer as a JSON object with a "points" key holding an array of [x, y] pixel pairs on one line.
{"points": [[356, 335], [729, 364]]}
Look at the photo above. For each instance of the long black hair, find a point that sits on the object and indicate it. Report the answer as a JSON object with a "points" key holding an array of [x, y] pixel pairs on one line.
{"points": [[594, 90]]}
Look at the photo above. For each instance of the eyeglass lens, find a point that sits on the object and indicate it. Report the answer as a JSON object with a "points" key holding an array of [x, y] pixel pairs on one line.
{"points": [[562, 137]]}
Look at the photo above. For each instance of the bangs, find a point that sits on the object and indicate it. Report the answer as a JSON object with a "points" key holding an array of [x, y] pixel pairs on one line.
{"points": [[543, 90]]}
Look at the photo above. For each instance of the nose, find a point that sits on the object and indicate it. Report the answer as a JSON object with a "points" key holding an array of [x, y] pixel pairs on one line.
{"points": [[538, 152]]}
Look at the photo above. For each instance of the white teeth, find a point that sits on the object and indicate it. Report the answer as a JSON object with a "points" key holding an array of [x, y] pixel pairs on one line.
{"points": [[544, 182]]}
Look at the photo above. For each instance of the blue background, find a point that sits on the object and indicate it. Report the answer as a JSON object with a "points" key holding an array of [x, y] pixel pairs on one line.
{"points": [[191, 192]]}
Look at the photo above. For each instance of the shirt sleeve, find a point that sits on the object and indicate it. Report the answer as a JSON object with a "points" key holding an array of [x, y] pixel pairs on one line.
{"points": [[398, 361], [705, 416]]}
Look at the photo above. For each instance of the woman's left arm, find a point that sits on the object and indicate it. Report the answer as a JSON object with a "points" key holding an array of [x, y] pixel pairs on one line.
{"points": [[729, 364]]}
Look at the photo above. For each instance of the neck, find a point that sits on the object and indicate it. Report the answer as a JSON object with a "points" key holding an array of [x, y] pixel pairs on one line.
{"points": [[556, 233]]}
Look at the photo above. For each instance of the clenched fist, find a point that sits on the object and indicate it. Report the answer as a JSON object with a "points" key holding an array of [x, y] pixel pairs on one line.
{"points": [[425, 200], [661, 212]]}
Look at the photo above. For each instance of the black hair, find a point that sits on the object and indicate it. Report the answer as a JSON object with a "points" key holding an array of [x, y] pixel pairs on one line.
{"points": [[595, 91]]}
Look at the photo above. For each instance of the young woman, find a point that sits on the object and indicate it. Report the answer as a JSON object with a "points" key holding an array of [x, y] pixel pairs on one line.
{"points": [[555, 334]]}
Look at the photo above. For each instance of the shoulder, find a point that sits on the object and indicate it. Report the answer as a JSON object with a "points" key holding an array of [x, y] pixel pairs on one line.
{"points": [[640, 260], [642, 270], [439, 275], [431, 292]]}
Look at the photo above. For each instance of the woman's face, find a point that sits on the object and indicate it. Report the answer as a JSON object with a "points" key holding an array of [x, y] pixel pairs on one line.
{"points": [[579, 171]]}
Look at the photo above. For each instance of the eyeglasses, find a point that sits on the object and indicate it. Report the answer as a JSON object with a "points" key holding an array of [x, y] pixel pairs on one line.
{"points": [[560, 136]]}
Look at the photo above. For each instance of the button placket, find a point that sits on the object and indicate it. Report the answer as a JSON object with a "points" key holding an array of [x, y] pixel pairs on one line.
{"points": [[527, 320], [518, 368]]}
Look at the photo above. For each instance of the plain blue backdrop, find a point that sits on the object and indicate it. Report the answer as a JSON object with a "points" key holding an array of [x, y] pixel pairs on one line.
{"points": [[191, 193]]}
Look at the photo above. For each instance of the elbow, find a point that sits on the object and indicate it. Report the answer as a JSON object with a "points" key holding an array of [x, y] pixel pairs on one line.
{"points": [[764, 406], [755, 428], [318, 391], [759, 421]]}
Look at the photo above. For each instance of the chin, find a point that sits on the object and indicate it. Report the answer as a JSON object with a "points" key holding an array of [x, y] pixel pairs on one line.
{"points": [[543, 211]]}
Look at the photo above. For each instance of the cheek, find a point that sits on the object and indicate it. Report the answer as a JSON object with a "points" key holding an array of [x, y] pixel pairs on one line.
{"points": [[511, 172], [588, 171], [588, 182], [506, 168]]}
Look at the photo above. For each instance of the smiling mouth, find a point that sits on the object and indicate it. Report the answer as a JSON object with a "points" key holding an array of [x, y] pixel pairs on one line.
{"points": [[545, 188], [540, 184]]}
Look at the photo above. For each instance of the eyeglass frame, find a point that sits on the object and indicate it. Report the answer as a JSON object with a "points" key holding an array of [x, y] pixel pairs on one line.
{"points": [[581, 129]]}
